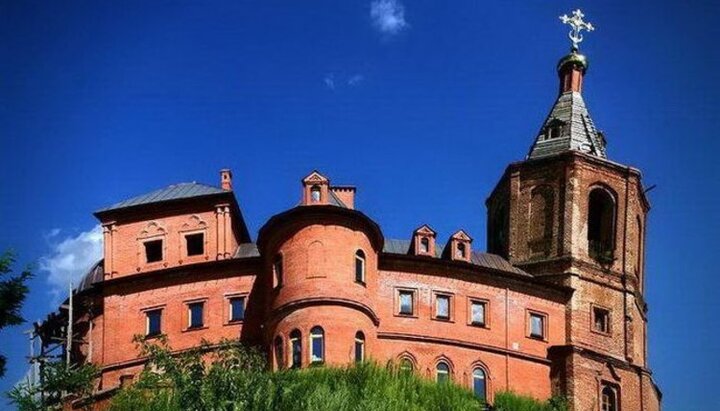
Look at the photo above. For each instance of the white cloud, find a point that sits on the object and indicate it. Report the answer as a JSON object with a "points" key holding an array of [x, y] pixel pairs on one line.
{"points": [[355, 79], [329, 81], [69, 259], [388, 16]]}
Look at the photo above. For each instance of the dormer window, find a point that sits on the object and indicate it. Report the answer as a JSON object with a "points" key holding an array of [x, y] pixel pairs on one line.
{"points": [[461, 252], [458, 248], [424, 241], [553, 130], [315, 194], [424, 245]]}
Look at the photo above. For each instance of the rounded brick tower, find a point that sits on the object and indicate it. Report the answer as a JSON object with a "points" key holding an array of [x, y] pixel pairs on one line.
{"points": [[320, 272], [571, 217]]}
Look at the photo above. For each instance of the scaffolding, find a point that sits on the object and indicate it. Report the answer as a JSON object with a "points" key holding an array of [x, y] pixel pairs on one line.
{"points": [[53, 339]]}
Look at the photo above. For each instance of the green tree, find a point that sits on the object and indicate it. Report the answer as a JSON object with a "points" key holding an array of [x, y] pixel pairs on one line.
{"points": [[57, 380], [13, 291]]}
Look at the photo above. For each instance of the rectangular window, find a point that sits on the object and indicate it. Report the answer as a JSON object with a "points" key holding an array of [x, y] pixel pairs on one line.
{"points": [[153, 251], [477, 313], [537, 326], [195, 315], [153, 323], [442, 307], [237, 309], [195, 244], [601, 320], [406, 302]]}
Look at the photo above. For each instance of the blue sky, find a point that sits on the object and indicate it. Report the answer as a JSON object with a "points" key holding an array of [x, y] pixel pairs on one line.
{"points": [[422, 110]]}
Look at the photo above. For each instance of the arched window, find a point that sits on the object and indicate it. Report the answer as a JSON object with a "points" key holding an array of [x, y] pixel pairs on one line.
{"points": [[479, 383], [317, 345], [498, 224], [461, 250], [315, 194], [406, 366], [424, 245], [359, 346], [541, 217], [601, 225], [360, 266], [279, 355], [608, 399], [442, 372], [278, 271], [296, 349]]}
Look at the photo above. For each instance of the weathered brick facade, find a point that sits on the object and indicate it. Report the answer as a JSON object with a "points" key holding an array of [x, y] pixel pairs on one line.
{"points": [[557, 309]]}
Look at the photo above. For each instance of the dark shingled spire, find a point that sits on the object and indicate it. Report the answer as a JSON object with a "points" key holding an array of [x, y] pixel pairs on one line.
{"points": [[569, 127]]}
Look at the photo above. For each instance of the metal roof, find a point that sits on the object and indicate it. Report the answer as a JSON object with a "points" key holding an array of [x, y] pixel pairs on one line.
{"points": [[487, 260], [578, 130], [169, 193], [335, 200], [247, 250], [93, 276]]}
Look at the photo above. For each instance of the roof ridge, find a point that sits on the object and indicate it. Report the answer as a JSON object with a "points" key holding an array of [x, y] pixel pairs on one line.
{"points": [[175, 191]]}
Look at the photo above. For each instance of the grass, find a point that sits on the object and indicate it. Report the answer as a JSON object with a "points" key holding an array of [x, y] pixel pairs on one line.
{"points": [[234, 378]]}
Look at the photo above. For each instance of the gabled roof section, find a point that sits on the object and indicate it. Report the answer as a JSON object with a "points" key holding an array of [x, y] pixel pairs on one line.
{"points": [[315, 177], [425, 229], [568, 127], [461, 235], [169, 193], [487, 260]]}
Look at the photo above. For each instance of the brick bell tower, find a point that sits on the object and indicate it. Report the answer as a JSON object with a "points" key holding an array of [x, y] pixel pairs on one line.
{"points": [[569, 215]]}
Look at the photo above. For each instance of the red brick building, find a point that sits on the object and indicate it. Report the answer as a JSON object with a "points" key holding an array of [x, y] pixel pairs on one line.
{"points": [[555, 306]]}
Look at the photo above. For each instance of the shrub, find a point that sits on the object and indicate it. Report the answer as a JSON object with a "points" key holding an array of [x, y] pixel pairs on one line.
{"points": [[510, 401], [232, 377]]}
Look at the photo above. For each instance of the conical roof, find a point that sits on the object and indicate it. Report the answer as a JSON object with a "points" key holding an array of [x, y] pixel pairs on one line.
{"points": [[568, 127]]}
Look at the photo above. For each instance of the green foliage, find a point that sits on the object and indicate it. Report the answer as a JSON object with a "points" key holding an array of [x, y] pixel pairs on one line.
{"points": [[57, 379], [12, 295], [509, 401], [232, 377]]}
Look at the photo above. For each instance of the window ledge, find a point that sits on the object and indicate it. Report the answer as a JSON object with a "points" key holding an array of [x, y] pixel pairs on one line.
{"points": [[189, 259], [604, 334], [443, 320], [537, 338], [405, 315], [155, 265], [235, 322], [479, 325], [190, 329], [153, 336]]}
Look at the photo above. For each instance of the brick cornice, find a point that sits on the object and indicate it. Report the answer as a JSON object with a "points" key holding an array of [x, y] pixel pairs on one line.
{"points": [[320, 301], [299, 217], [462, 344], [387, 261], [185, 270]]}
